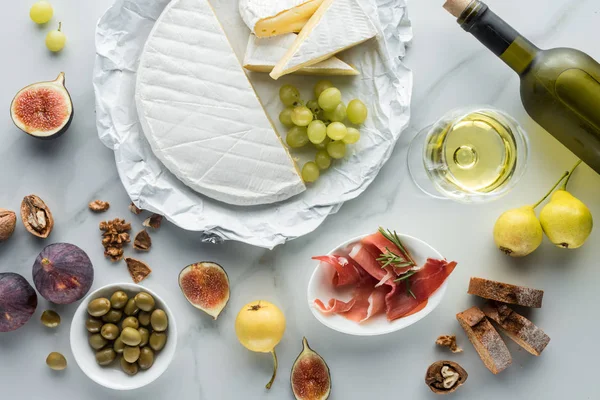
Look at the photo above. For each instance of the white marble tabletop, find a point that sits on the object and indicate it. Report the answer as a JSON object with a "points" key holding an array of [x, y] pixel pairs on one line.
{"points": [[451, 69]]}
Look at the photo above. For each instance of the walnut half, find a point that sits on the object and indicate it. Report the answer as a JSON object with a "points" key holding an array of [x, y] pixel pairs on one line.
{"points": [[36, 216], [444, 377]]}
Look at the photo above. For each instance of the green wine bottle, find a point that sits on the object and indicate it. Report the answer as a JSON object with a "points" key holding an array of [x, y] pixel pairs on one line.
{"points": [[560, 88]]}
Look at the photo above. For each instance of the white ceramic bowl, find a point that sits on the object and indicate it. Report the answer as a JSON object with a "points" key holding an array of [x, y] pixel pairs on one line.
{"points": [[320, 287], [112, 376]]}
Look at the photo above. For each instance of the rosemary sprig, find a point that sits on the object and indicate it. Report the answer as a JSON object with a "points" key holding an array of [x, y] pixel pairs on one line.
{"points": [[405, 276], [410, 291], [391, 258]]}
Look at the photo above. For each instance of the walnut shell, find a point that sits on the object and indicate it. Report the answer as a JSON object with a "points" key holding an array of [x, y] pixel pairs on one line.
{"points": [[8, 221], [435, 380], [36, 216]]}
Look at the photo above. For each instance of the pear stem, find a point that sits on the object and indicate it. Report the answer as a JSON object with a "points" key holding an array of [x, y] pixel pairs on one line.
{"points": [[551, 190], [565, 183], [275, 364]]}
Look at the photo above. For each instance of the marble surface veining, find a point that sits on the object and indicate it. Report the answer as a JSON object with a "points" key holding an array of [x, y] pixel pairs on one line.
{"points": [[451, 69]]}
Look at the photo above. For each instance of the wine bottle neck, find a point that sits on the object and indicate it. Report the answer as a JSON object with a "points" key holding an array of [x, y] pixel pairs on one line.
{"points": [[498, 36]]}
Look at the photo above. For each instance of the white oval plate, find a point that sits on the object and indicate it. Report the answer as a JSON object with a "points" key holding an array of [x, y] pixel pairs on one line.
{"points": [[112, 376], [320, 287]]}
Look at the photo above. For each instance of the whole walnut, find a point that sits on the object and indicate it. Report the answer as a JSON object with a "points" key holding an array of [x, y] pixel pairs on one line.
{"points": [[8, 221]]}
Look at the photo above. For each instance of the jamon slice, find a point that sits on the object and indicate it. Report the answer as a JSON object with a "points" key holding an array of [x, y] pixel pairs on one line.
{"points": [[347, 273], [423, 284], [368, 262], [377, 244], [367, 300]]}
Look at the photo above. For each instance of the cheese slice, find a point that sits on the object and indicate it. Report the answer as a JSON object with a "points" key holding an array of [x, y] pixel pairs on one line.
{"points": [[201, 115], [275, 17], [263, 53], [336, 26]]}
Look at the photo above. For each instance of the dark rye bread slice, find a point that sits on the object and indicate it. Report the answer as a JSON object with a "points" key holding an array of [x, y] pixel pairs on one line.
{"points": [[506, 293], [486, 340], [517, 327]]}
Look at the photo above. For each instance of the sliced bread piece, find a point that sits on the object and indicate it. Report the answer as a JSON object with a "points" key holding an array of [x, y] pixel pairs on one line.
{"points": [[486, 340], [517, 327], [506, 293]]}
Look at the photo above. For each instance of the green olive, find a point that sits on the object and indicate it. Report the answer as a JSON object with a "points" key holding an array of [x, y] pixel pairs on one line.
{"points": [[50, 319], [130, 322], [144, 301], [110, 331], [131, 337], [144, 318], [157, 340], [119, 299], [93, 325], [98, 307], [131, 353], [113, 316], [97, 341], [146, 358], [105, 356], [130, 308], [145, 334], [118, 346], [159, 320], [128, 368], [56, 361]]}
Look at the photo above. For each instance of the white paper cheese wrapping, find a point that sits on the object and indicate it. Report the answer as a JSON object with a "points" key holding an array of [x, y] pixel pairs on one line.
{"points": [[120, 38]]}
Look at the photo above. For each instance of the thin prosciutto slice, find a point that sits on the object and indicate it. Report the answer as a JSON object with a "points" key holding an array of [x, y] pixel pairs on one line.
{"points": [[399, 303], [366, 302], [377, 244], [367, 261], [346, 272]]}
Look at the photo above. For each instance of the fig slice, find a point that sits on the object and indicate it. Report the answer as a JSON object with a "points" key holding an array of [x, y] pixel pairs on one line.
{"points": [[206, 286], [43, 110], [310, 378]]}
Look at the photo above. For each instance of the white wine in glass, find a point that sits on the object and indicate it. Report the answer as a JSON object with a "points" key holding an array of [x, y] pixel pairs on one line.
{"points": [[469, 155]]}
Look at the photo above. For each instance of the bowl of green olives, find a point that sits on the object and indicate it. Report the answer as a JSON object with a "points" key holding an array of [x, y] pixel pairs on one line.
{"points": [[123, 336]]}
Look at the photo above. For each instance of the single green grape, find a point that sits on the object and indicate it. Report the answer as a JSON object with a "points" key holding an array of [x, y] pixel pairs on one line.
{"points": [[322, 159], [323, 144], [352, 136], [285, 117], [336, 149], [310, 172], [317, 132], [337, 115], [330, 98], [357, 112], [313, 106], [56, 40], [41, 12], [289, 95], [321, 86], [302, 116], [297, 137], [337, 131]]}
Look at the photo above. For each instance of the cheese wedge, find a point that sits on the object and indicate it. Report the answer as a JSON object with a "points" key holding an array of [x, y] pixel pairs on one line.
{"points": [[201, 115], [336, 26], [267, 18], [263, 53]]}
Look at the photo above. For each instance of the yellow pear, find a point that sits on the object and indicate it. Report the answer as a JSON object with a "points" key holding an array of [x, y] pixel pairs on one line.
{"points": [[566, 220], [518, 232]]}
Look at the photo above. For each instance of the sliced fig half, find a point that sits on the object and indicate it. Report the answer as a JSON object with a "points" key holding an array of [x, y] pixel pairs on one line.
{"points": [[206, 286], [310, 378], [43, 110]]}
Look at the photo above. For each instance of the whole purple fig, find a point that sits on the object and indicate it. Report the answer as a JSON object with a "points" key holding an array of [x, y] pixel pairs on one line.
{"points": [[18, 301], [63, 273]]}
